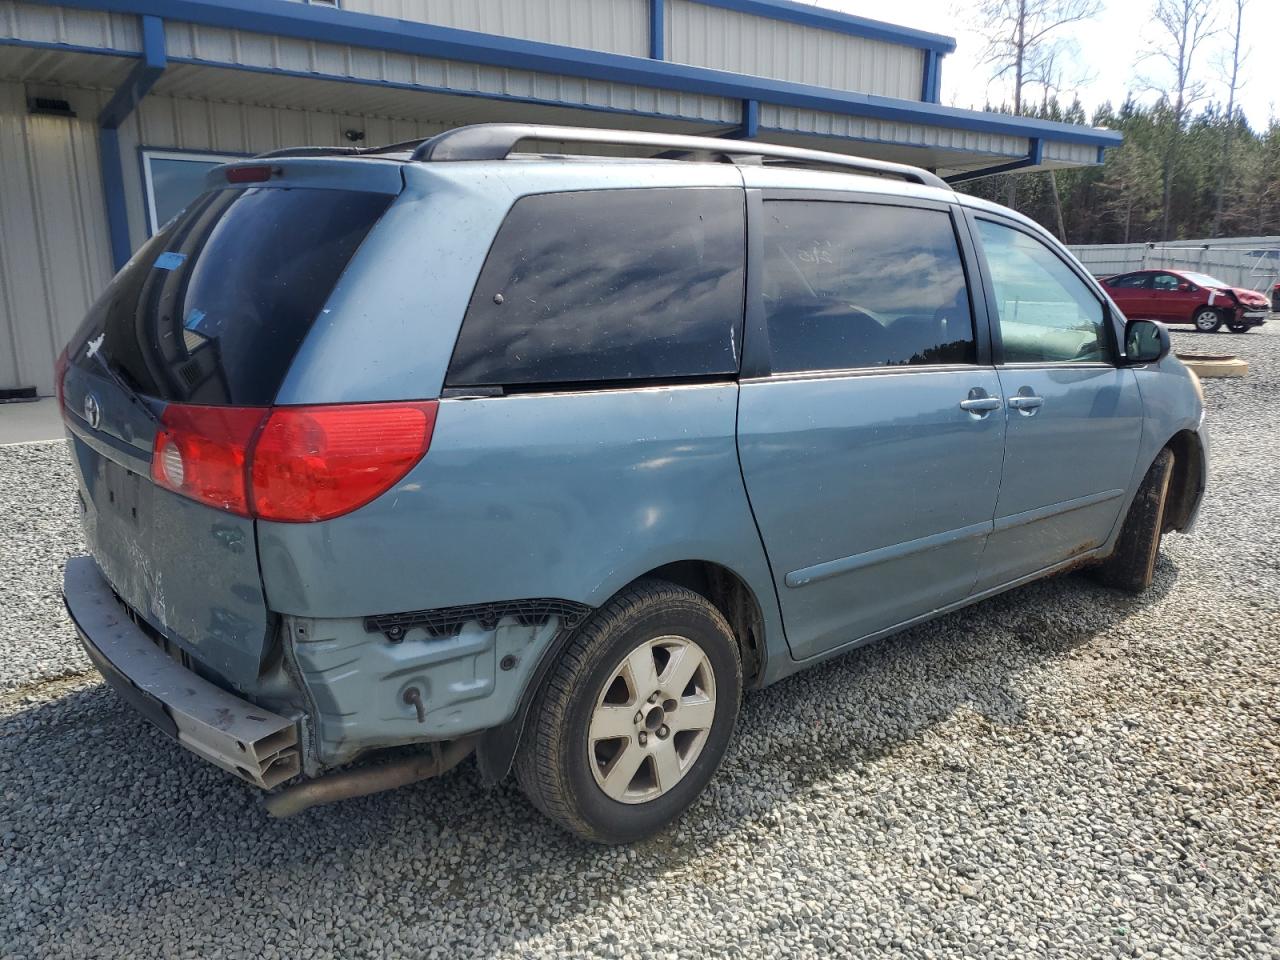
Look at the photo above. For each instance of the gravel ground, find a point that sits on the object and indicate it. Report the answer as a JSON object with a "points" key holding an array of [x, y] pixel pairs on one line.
{"points": [[1059, 771]]}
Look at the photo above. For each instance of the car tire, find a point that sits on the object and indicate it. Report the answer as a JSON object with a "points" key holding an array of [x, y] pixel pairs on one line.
{"points": [[1131, 567], [1206, 319], [1239, 327], [631, 655]]}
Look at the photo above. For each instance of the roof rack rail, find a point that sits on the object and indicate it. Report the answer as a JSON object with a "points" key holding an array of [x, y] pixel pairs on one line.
{"points": [[496, 141]]}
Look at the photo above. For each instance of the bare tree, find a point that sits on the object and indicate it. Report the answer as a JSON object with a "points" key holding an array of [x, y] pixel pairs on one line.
{"points": [[1021, 44], [1020, 37], [1233, 85], [1184, 26]]}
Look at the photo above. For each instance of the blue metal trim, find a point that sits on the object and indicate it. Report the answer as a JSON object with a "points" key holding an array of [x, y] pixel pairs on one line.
{"points": [[657, 29], [838, 22], [1035, 155], [327, 25], [750, 128], [929, 81], [935, 91], [141, 78], [113, 193], [1102, 155], [122, 103]]}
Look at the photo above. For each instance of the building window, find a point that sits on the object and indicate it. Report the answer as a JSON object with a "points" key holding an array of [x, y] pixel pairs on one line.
{"points": [[172, 179]]}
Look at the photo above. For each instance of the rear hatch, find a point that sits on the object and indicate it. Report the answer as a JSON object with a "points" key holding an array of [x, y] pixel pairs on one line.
{"points": [[207, 315]]}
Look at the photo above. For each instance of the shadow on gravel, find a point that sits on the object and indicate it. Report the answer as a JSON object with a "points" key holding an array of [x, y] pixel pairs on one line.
{"points": [[91, 797]]}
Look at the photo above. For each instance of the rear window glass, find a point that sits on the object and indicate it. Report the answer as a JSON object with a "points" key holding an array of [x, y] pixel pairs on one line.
{"points": [[849, 285], [609, 285], [212, 309]]}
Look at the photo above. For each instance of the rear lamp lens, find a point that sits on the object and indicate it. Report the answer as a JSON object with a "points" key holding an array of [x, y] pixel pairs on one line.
{"points": [[290, 464]]}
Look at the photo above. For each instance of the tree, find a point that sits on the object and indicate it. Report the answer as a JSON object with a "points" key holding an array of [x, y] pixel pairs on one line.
{"points": [[1228, 128], [1184, 26], [1021, 44]]}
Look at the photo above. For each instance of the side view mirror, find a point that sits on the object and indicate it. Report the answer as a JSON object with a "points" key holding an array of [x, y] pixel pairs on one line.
{"points": [[1184, 287], [1146, 341]]}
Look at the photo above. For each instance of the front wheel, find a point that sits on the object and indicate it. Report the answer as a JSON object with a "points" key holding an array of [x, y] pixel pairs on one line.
{"points": [[1207, 320], [634, 719], [1235, 327]]}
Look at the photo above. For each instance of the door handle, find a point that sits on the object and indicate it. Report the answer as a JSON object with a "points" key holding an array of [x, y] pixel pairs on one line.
{"points": [[1025, 404], [981, 404]]}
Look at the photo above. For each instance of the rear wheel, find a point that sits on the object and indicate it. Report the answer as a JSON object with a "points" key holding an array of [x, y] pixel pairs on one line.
{"points": [[1236, 327], [1207, 320], [1132, 566], [634, 719]]}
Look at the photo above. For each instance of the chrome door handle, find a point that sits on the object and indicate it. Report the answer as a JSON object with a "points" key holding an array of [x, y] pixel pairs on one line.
{"points": [[981, 404], [1023, 402]]}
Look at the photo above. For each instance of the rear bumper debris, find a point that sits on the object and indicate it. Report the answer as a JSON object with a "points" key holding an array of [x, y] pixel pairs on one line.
{"points": [[255, 744]]}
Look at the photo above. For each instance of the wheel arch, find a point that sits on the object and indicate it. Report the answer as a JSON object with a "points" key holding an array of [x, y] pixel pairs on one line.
{"points": [[1187, 484], [724, 588]]}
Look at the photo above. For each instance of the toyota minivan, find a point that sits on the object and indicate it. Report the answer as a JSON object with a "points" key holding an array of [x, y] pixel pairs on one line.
{"points": [[390, 457]]}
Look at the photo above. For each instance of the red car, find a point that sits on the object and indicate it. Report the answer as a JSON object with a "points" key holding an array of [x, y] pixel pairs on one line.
{"points": [[1176, 296]]}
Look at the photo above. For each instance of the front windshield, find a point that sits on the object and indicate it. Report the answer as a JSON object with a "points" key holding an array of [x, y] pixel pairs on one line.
{"points": [[1204, 280]]}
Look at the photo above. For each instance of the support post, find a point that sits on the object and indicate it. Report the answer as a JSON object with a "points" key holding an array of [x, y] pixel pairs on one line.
{"points": [[122, 103], [657, 29]]}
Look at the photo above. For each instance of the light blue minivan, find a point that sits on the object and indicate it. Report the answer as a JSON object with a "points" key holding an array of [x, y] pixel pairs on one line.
{"points": [[439, 449]]}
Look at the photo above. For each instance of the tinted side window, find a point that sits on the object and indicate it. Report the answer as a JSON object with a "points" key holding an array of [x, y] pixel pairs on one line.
{"points": [[863, 285], [608, 285], [1166, 281], [1132, 281], [1046, 312]]}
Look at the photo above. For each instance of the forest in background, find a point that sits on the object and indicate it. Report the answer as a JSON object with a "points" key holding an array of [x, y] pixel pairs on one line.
{"points": [[1191, 166], [1120, 201]]}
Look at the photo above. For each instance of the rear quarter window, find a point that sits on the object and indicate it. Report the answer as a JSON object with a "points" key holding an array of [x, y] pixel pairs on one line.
{"points": [[213, 308], [610, 285]]}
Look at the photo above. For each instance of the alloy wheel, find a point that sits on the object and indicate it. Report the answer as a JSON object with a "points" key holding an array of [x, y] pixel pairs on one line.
{"points": [[651, 719]]}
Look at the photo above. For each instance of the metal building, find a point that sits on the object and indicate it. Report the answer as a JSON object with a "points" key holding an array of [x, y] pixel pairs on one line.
{"points": [[112, 110]]}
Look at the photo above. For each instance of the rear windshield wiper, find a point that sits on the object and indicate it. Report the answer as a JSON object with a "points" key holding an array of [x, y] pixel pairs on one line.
{"points": [[93, 350]]}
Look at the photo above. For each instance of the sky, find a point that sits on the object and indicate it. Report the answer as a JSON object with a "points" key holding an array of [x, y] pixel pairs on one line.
{"points": [[1107, 49]]}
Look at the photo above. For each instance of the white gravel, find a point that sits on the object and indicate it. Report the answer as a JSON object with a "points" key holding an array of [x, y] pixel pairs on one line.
{"points": [[1060, 771]]}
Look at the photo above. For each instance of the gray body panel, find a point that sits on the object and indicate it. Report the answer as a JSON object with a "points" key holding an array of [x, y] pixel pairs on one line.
{"points": [[874, 494], [1055, 502]]}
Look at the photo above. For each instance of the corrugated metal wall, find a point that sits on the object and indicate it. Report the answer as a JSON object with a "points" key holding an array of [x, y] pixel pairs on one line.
{"points": [[726, 40], [614, 26], [794, 119], [84, 28], [212, 45], [53, 233]]}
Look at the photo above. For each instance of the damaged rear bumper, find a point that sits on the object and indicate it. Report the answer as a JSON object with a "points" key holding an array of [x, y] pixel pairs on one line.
{"points": [[255, 744]]}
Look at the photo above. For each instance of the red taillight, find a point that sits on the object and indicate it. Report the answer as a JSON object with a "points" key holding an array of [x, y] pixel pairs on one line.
{"points": [[313, 463], [292, 464], [248, 174], [59, 375], [203, 453]]}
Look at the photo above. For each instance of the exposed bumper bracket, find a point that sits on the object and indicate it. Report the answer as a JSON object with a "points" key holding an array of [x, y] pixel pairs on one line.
{"points": [[255, 744]]}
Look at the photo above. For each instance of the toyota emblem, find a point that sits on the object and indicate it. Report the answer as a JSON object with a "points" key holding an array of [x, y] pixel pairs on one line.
{"points": [[92, 411]]}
